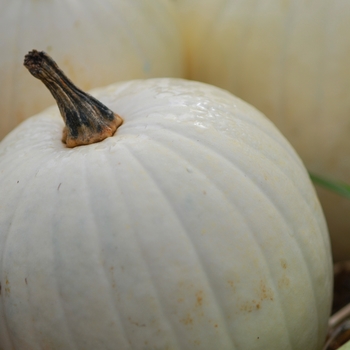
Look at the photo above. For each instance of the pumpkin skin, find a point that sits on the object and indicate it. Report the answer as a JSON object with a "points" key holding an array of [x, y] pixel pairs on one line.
{"points": [[96, 43], [194, 227], [290, 59]]}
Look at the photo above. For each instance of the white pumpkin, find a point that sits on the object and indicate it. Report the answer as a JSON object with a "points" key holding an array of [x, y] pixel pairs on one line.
{"points": [[290, 59], [97, 43], [194, 227]]}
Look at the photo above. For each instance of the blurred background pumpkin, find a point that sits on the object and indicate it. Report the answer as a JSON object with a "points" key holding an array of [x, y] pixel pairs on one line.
{"points": [[290, 59], [96, 43]]}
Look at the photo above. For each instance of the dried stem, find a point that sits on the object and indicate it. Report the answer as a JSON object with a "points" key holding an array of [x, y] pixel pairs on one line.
{"points": [[87, 119], [339, 316]]}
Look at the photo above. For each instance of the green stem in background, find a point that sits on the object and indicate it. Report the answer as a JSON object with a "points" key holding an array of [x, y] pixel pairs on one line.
{"points": [[335, 186], [87, 119]]}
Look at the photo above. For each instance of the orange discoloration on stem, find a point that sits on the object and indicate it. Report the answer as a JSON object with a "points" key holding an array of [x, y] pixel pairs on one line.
{"points": [[87, 119]]}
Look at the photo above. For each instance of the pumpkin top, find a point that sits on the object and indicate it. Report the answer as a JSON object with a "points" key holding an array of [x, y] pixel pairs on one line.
{"points": [[87, 119]]}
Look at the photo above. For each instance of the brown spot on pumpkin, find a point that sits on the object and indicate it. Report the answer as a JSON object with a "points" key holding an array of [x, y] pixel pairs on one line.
{"points": [[199, 298], [136, 323], [246, 306], [250, 306], [283, 282], [197, 342], [232, 284], [266, 293], [283, 263], [188, 320], [7, 286]]}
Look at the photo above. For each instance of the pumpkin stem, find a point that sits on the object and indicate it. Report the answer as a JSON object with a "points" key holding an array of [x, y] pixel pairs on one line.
{"points": [[87, 119]]}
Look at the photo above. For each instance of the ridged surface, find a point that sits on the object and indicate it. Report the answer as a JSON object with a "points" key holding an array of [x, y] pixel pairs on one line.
{"points": [[290, 60], [194, 227]]}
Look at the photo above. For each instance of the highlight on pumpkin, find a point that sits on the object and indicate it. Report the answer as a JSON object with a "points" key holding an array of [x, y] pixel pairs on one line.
{"points": [[87, 119]]}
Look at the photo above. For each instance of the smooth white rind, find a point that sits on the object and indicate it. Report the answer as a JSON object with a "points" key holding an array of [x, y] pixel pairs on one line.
{"points": [[194, 227]]}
